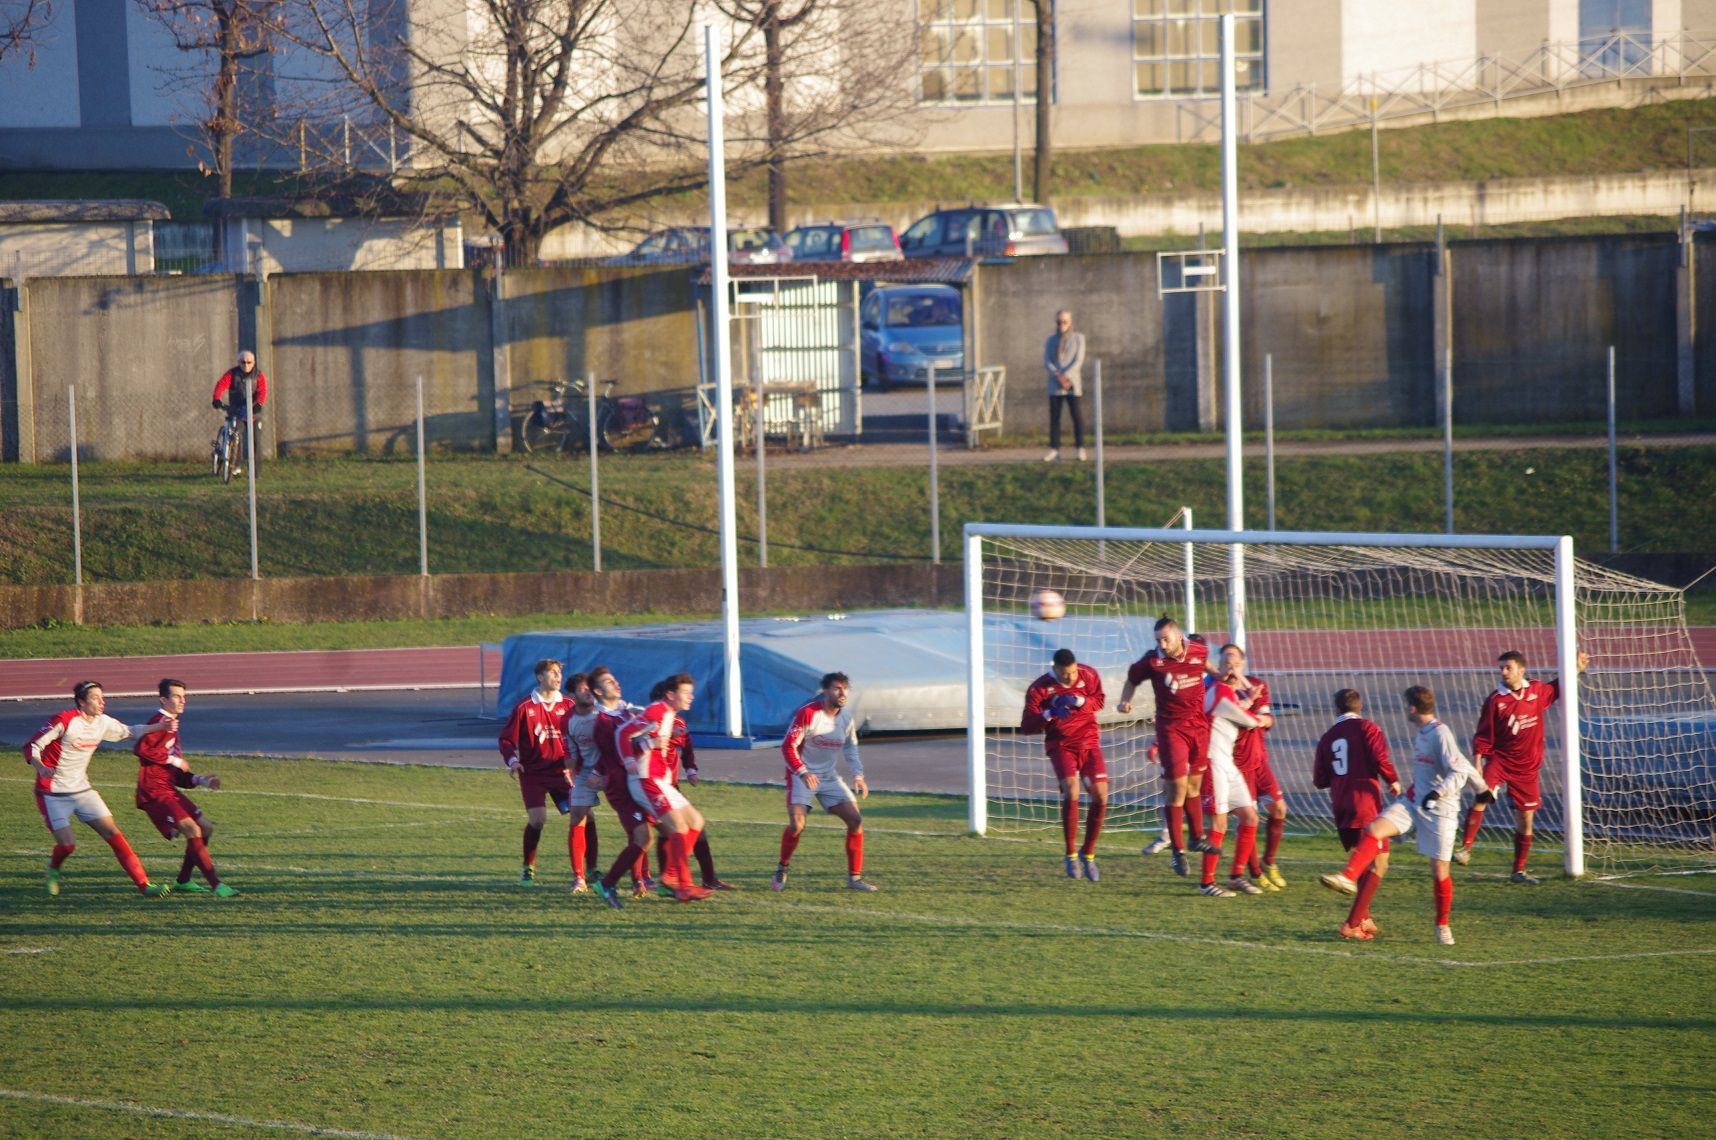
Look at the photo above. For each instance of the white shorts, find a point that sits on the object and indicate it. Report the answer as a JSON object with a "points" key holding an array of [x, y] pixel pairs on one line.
{"points": [[58, 808], [831, 792], [583, 795], [1224, 787], [657, 797], [1436, 830]]}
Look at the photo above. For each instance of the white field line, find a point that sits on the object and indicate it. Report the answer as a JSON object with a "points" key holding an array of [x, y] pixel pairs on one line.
{"points": [[189, 1114], [1711, 895], [29, 950]]}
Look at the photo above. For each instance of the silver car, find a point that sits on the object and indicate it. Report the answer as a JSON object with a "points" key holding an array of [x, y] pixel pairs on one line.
{"points": [[1014, 230]]}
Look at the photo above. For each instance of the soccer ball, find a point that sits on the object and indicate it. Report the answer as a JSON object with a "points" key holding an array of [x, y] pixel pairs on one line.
{"points": [[1046, 605]]}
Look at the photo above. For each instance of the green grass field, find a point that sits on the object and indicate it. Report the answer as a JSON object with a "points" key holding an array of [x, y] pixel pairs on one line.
{"points": [[381, 973]]}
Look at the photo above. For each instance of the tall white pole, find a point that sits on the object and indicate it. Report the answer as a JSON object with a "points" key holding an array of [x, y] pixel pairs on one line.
{"points": [[422, 492], [721, 349], [1269, 433], [1096, 392], [1567, 653], [1614, 503], [1191, 577], [1018, 148], [596, 470], [977, 774], [762, 475], [77, 506], [1230, 332], [934, 478], [1448, 437], [250, 476]]}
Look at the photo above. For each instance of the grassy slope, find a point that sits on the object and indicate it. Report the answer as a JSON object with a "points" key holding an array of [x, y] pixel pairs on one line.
{"points": [[171, 521], [380, 972]]}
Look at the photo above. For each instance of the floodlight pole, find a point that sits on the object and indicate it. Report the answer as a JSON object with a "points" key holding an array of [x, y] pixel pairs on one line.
{"points": [[722, 352], [1230, 331]]}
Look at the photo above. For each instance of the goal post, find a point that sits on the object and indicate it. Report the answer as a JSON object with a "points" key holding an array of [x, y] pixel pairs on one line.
{"points": [[1628, 763]]}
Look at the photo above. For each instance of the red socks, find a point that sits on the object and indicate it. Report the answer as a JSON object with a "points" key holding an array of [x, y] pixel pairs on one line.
{"points": [[128, 859], [1194, 817], [1443, 889], [1369, 846], [1214, 857], [575, 847], [197, 851], [1272, 838], [1177, 826], [1521, 849], [855, 853], [1474, 820], [1093, 817], [62, 852], [1367, 884], [1069, 823], [1244, 848], [532, 836], [789, 844]]}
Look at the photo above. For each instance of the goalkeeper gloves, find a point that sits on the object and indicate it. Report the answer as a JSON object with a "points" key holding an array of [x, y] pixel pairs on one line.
{"points": [[1429, 798]]}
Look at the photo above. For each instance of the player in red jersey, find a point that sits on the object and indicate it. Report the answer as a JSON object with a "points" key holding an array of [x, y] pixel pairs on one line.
{"points": [[1251, 757], [1062, 705], [686, 753], [533, 744], [1352, 759], [60, 752], [1508, 747], [635, 821], [582, 760], [1175, 670], [161, 775], [646, 746]]}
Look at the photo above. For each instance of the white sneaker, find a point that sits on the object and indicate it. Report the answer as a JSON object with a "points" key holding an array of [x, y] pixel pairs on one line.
{"points": [[1081, 455], [1052, 457], [1340, 883], [1214, 891], [1462, 855], [1445, 935], [1243, 886]]}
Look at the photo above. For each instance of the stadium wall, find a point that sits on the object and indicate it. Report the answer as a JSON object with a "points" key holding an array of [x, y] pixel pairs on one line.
{"points": [[296, 600]]}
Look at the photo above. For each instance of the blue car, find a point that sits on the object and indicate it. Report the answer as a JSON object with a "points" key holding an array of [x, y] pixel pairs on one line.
{"points": [[906, 329]]}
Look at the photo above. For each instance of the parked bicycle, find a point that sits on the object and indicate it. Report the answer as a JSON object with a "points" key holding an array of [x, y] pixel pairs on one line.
{"points": [[560, 424], [227, 453]]}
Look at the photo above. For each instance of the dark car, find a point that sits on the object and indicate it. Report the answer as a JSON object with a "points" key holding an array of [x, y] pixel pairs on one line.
{"points": [[905, 329], [844, 241], [685, 245], [985, 231]]}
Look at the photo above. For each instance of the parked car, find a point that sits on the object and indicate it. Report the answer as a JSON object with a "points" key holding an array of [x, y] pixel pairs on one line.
{"points": [[685, 245], [904, 329], [845, 241], [985, 231]]}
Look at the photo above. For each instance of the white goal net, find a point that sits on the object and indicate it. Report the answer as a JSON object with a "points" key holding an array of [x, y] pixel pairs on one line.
{"points": [[1372, 612]]}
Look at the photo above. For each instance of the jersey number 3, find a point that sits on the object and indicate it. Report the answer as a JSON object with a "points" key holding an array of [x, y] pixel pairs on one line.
{"points": [[1340, 750]]}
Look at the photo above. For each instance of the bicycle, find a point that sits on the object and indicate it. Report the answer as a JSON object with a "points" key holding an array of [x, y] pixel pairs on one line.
{"points": [[227, 452], [560, 424]]}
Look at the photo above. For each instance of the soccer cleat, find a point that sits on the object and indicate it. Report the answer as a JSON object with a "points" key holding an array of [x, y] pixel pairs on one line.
{"points": [[527, 877], [692, 894], [1214, 891], [1263, 884], [718, 885], [224, 891], [1524, 879], [157, 890], [1356, 933], [1445, 935], [192, 888], [610, 896], [1180, 867], [1157, 845], [641, 890], [853, 884], [1462, 855], [1071, 867], [53, 880], [1203, 846], [1273, 874], [1240, 885], [1368, 925], [777, 881], [648, 884], [1088, 864], [580, 886], [1338, 882]]}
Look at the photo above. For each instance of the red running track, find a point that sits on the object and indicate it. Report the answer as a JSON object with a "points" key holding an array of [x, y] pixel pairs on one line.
{"points": [[294, 671]]}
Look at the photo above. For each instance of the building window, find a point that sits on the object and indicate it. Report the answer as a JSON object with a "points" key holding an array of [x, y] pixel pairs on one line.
{"points": [[968, 50], [1176, 47]]}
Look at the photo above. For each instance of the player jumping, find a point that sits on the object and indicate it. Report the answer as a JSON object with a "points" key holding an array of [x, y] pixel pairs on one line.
{"points": [[635, 821], [1175, 670], [1508, 746], [1062, 705], [162, 774], [822, 733], [1432, 804], [60, 752], [1352, 757]]}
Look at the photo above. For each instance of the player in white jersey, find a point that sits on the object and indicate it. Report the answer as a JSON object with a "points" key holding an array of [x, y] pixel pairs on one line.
{"points": [[1224, 790], [60, 752], [581, 762], [821, 735], [1431, 804]]}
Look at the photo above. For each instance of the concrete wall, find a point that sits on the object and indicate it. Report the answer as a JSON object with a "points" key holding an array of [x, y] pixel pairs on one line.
{"points": [[48, 249], [637, 326], [323, 245]]}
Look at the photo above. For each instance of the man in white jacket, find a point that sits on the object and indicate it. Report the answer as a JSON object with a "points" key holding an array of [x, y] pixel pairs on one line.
{"points": [[1063, 358]]}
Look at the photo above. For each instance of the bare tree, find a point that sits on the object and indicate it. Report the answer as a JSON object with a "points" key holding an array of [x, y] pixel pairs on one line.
{"points": [[1045, 10], [231, 32], [20, 21]]}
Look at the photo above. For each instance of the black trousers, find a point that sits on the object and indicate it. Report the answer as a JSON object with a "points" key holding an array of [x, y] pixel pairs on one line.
{"points": [[1070, 402]]}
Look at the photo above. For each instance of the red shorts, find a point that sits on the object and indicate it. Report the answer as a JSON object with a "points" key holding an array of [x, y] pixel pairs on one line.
{"points": [[166, 810], [631, 815], [1350, 837], [1185, 749], [539, 787], [1524, 789], [1262, 782], [1071, 760]]}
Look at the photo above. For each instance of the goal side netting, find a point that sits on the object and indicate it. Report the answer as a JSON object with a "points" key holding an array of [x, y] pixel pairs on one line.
{"points": [[1375, 613]]}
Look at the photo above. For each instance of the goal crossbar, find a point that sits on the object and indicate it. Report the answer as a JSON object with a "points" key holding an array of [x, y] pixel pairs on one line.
{"points": [[1566, 642]]}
